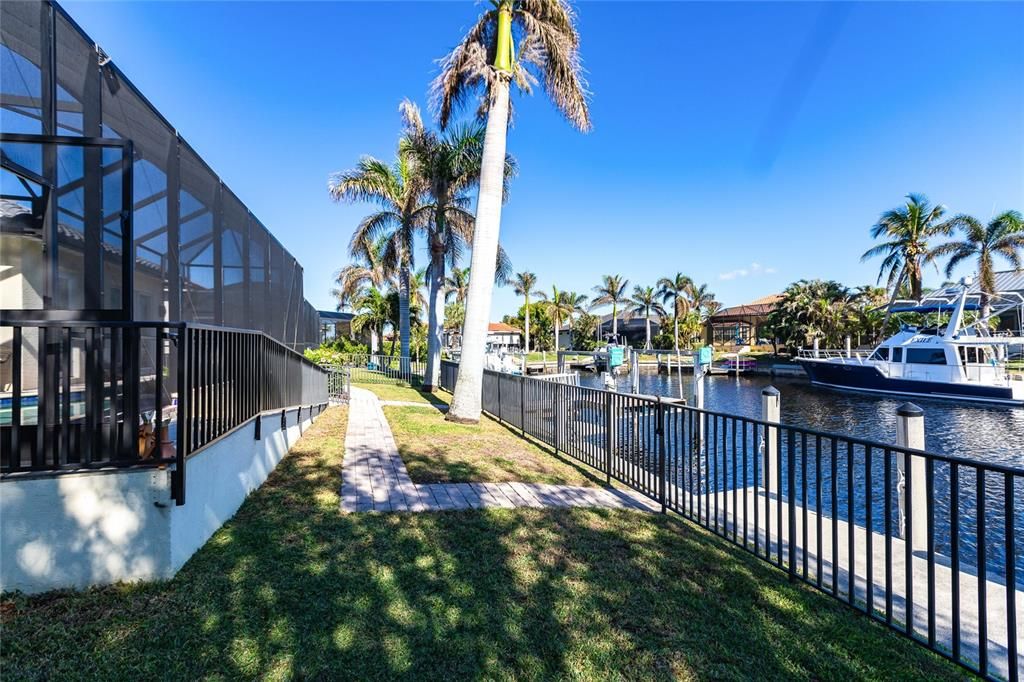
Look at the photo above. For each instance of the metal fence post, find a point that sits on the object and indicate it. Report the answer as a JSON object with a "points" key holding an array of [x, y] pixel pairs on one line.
{"points": [[659, 434], [184, 424], [791, 486], [554, 413], [608, 436], [910, 435], [522, 404], [497, 381]]}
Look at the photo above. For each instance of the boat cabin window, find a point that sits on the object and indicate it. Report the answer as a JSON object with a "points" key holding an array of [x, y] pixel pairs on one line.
{"points": [[897, 355], [972, 355], [926, 356], [881, 353]]}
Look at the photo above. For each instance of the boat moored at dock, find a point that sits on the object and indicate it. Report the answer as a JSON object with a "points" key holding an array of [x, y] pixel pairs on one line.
{"points": [[955, 360]]}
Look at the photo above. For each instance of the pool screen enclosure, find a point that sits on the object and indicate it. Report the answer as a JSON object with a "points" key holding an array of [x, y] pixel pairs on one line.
{"points": [[115, 236]]}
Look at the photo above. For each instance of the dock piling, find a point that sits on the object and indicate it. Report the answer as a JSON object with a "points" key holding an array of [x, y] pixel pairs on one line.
{"points": [[910, 435], [771, 407]]}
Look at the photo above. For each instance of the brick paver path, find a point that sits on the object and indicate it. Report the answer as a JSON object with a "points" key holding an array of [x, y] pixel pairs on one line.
{"points": [[374, 477]]}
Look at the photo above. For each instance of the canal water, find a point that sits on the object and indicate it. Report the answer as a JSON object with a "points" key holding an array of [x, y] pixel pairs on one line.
{"points": [[993, 434]]}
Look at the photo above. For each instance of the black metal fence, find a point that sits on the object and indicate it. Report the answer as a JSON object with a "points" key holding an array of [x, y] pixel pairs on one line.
{"points": [[381, 369], [87, 395], [843, 514]]}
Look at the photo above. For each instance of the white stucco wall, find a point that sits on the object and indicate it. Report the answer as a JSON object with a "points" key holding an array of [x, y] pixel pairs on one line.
{"points": [[220, 478], [97, 528], [77, 530]]}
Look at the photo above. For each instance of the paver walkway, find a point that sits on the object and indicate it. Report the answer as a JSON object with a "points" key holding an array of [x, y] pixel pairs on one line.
{"points": [[374, 477]]}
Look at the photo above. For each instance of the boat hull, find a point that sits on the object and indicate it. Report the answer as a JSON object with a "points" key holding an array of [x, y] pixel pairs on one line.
{"points": [[868, 379]]}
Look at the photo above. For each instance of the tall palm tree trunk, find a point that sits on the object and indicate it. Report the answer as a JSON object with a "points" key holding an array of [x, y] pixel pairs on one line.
{"points": [[403, 318], [466, 401], [527, 297], [558, 346], [435, 319], [615, 320], [647, 337], [892, 299]]}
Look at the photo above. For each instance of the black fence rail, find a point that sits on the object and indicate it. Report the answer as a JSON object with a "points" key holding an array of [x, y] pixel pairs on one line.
{"points": [[928, 544], [376, 368], [86, 395]]}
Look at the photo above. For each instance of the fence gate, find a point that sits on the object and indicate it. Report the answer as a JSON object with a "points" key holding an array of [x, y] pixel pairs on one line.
{"points": [[338, 381]]}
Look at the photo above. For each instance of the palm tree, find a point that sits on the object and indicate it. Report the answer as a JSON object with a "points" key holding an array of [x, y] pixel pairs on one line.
{"points": [[611, 291], [450, 165], [700, 298], [373, 311], [575, 304], [644, 302], [367, 269], [1004, 235], [486, 60], [906, 230], [457, 285], [560, 307], [397, 191], [676, 290], [524, 284]]}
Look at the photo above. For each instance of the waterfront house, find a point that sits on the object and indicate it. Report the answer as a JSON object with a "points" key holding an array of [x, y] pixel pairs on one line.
{"points": [[740, 325], [150, 325]]}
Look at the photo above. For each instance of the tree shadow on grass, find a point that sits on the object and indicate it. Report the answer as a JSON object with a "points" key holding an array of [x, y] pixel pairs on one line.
{"points": [[292, 588]]}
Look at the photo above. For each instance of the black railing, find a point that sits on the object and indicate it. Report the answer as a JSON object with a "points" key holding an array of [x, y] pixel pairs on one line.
{"points": [[843, 514], [88, 395], [374, 368]]}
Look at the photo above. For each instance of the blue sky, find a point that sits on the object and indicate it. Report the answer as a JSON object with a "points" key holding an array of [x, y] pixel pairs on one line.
{"points": [[745, 144]]}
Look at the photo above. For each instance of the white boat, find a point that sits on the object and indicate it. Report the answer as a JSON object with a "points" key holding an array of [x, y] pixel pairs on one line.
{"points": [[498, 359], [956, 360]]}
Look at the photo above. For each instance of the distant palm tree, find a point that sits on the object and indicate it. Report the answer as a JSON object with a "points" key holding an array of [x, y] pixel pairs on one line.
{"points": [[367, 269], [457, 285], [561, 306], [486, 60], [645, 302], [675, 291], [906, 231], [373, 312], [611, 291], [398, 192], [1003, 236], [524, 284], [700, 298], [450, 165], [575, 304], [417, 299]]}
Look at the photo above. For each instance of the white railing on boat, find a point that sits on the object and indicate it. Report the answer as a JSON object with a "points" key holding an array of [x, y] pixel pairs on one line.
{"points": [[834, 353]]}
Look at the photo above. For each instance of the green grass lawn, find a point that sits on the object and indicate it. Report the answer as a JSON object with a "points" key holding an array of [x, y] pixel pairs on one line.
{"points": [[437, 451], [291, 588], [406, 393]]}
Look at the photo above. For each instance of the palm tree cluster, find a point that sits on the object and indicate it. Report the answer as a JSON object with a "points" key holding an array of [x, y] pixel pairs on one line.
{"points": [[908, 233], [828, 311], [424, 192], [676, 298]]}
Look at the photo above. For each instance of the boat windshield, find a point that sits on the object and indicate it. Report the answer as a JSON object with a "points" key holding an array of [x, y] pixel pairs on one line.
{"points": [[881, 353]]}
